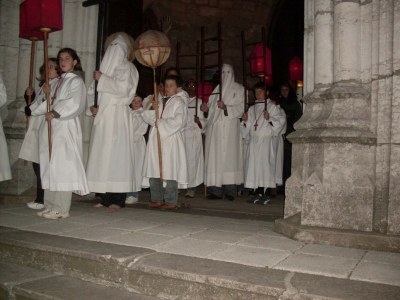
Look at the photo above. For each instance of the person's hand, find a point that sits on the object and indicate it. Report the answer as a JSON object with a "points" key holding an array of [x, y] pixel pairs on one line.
{"points": [[28, 111], [204, 107], [46, 88], [29, 91], [94, 110], [221, 104], [245, 117], [266, 115], [49, 116], [97, 75]]}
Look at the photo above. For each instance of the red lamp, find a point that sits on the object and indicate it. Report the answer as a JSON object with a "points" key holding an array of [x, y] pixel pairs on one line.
{"points": [[260, 60], [25, 27], [204, 91], [46, 16], [296, 69]]}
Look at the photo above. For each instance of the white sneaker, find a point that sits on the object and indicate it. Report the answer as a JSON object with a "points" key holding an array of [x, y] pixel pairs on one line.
{"points": [[35, 205], [41, 213], [55, 215], [131, 200]]}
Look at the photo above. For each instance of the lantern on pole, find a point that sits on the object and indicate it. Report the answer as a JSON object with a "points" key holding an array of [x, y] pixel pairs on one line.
{"points": [[45, 16], [260, 61], [296, 69], [152, 49], [25, 32], [204, 91]]}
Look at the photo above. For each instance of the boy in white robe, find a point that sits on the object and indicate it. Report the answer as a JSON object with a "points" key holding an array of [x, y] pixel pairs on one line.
{"points": [[172, 120], [5, 171], [139, 129], [110, 166], [264, 124], [223, 146], [194, 140], [63, 173]]}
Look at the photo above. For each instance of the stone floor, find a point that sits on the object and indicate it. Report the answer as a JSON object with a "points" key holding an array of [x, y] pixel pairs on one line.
{"points": [[242, 241]]}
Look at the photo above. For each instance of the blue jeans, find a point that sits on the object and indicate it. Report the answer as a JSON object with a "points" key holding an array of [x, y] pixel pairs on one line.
{"points": [[158, 193]]}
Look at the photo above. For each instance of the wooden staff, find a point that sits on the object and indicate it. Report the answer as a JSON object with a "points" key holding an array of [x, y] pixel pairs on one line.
{"points": [[155, 106], [47, 93]]}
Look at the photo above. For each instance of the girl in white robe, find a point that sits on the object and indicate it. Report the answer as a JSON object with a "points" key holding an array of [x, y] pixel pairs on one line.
{"points": [[264, 124], [63, 173], [110, 166], [223, 146], [30, 146], [5, 171], [172, 120]]}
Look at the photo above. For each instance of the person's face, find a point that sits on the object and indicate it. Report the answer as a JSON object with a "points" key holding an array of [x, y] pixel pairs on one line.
{"points": [[227, 72], [67, 63], [260, 94], [52, 70], [137, 103], [285, 91], [170, 87], [191, 88], [160, 89]]}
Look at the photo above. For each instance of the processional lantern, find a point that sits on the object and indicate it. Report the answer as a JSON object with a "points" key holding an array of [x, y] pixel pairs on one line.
{"points": [[260, 62], [204, 90], [296, 69], [152, 49], [45, 16]]}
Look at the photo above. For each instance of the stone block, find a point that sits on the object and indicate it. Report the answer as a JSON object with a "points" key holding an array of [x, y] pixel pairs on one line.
{"points": [[394, 191], [377, 272]]}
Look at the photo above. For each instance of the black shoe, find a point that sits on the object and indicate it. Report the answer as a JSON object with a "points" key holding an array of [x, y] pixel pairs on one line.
{"points": [[213, 197], [264, 200], [229, 197], [255, 199]]}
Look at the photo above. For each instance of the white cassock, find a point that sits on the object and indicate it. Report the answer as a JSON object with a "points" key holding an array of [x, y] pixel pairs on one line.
{"points": [[173, 118], [279, 150], [30, 146], [110, 165], [223, 153], [139, 129], [5, 171], [262, 152], [65, 171], [194, 144]]}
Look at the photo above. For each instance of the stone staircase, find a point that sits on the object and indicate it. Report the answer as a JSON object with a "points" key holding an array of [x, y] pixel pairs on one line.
{"points": [[42, 266]]}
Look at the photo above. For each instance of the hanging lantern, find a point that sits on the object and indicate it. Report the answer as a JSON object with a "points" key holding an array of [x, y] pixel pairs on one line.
{"points": [[296, 69], [152, 48], [204, 91], [45, 14], [25, 27], [260, 60]]}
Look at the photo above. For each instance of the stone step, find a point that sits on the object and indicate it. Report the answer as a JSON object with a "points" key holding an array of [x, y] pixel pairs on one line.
{"points": [[20, 282], [173, 276]]}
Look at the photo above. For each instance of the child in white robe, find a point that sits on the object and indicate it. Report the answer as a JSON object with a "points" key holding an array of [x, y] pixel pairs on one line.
{"points": [[63, 173], [264, 124], [139, 129], [172, 120]]}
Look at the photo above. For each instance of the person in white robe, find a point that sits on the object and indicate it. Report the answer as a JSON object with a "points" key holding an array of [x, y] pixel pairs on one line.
{"points": [[139, 129], [223, 145], [5, 171], [62, 170], [109, 169], [30, 146], [193, 140], [172, 120], [264, 124]]}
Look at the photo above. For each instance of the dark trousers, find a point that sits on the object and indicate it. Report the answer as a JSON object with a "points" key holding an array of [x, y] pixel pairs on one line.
{"points": [[39, 190], [112, 198], [228, 189]]}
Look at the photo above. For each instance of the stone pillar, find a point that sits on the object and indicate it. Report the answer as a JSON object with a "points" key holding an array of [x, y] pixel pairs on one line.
{"points": [[79, 33]]}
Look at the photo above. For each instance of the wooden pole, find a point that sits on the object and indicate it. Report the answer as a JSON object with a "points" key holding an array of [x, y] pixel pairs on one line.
{"points": [[155, 106], [197, 76], [31, 66], [47, 94]]}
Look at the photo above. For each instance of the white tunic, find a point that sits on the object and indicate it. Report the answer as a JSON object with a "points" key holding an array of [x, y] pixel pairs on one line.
{"points": [[30, 146], [139, 128], [110, 164], [262, 152], [223, 153], [194, 144], [171, 123], [65, 171], [5, 171]]}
